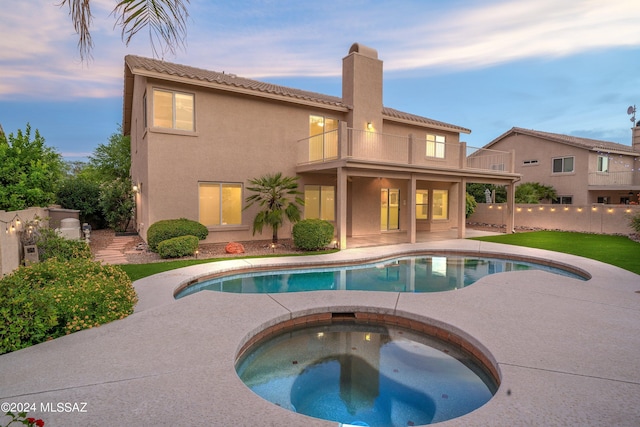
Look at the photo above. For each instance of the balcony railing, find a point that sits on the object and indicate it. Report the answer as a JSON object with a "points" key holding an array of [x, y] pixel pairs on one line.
{"points": [[614, 178], [369, 146]]}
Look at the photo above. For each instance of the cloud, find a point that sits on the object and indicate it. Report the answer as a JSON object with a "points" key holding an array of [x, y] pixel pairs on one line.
{"points": [[261, 39]]}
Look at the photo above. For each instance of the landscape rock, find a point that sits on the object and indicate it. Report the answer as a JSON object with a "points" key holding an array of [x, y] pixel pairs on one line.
{"points": [[234, 248]]}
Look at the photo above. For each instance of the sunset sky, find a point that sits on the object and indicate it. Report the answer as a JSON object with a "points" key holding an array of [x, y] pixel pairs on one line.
{"points": [[564, 67]]}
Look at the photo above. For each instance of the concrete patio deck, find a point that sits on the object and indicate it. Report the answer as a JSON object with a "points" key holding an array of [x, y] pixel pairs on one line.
{"points": [[567, 350]]}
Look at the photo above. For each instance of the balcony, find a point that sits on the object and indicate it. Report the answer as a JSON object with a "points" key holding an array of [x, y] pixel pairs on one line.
{"points": [[614, 179], [384, 149]]}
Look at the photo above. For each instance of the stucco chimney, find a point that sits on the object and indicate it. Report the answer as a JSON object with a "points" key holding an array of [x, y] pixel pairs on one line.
{"points": [[362, 87], [635, 139]]}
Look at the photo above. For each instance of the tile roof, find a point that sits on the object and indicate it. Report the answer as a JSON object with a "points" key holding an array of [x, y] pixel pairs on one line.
{"points": [[193, 73], [139, 63], [587, 143], [390, 112]]}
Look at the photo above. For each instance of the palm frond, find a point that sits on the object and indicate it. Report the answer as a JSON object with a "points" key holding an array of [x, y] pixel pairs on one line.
{"points": [[80, 11], [165, 19]]}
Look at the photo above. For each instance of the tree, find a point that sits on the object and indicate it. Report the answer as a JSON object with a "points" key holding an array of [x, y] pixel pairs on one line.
{"points": [[113, 160], [478, 192], [165, 20], [116, 202], [534, 192], [471, 205], [83, 194], [29, 171], [273, 197]]}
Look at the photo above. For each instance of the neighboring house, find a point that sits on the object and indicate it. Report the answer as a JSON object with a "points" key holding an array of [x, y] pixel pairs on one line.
{"points": [[198, 136], [583, 171]]}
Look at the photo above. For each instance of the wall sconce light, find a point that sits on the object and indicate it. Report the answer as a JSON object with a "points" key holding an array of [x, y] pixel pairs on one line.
{"points": [[369, 126], [553, 209], [135, 188], [594, 209], [566, 209], [519, 209], [610, 210], [579, 209]]}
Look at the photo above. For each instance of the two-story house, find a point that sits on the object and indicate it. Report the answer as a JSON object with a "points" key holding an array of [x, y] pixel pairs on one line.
{"points": [[198, 136], [583, 171]]}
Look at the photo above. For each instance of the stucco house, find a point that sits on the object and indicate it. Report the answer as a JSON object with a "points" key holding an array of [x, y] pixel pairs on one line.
{"points": [[583, 171], [198, 136]]}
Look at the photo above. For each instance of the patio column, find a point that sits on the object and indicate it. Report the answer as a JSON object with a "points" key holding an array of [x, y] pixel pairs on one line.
{"points": [[462, 208], [412, 209], [341, 196], [511, 203]]}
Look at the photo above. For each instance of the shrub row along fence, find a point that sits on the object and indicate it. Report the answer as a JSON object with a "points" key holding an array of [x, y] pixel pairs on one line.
{"points": [[596, 218]]}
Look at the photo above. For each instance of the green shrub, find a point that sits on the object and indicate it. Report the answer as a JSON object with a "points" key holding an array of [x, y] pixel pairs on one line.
{"points": [[178, 246], [54, 298], [312, 234], [52, 245], [634, 222], [170, 228]]}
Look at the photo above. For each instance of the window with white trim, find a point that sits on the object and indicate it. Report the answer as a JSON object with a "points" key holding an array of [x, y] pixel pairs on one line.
{"points": [[220, 203], [603, 164], [422, 204], [319, 202], [173, 110], [435, 146], [563, 164]]}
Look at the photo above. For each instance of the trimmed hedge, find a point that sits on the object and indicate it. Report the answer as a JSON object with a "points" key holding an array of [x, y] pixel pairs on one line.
{"points": [[312, 234], [53, 298], [170, 228], [178, 247]]}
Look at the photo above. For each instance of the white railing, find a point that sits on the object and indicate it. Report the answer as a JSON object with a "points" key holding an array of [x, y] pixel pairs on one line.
{"points": [[615, 178], [486, 159], [365, 145], [394, 149]]}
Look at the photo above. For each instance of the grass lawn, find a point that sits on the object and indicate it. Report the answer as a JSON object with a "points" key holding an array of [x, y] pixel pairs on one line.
{"points": [[139, 271], [615, 250]]}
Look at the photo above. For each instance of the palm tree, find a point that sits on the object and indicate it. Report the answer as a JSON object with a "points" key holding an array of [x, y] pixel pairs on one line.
{"points": [[273, 197], [165, 19]]}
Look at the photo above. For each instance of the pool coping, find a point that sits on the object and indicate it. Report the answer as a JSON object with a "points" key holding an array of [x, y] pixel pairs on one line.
{"points": [[566, 349]]}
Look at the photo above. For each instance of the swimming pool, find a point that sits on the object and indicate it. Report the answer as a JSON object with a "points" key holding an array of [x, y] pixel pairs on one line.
{"points": [[424, 273]]}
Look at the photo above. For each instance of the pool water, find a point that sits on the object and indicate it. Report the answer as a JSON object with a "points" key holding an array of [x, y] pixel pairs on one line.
{"points": [[409, 274], [371, 375]]}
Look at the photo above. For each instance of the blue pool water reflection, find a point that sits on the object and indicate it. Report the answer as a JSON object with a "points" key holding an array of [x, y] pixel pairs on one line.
{"points": [[408, 274], [366, 375]]}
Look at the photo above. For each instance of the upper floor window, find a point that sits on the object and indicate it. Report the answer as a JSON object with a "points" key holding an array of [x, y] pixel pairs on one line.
{"points": [[323, 138], [435, 146], [319, 202], [173, 110], [603, 164], [220, 203], [563, 164]]}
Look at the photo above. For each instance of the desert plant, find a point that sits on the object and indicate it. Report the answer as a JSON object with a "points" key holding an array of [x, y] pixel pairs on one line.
{"points": [[534, 192], [312, 234], [170, 228], [273, 193], [178, 247]]}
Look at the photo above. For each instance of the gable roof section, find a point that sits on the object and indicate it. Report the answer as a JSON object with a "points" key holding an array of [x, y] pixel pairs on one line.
{"points": [[575, 141], [138, 65], [390, 113]]}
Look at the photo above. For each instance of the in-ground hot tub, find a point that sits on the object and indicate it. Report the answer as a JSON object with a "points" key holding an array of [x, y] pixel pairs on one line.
{"points": [[368, 369]]}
